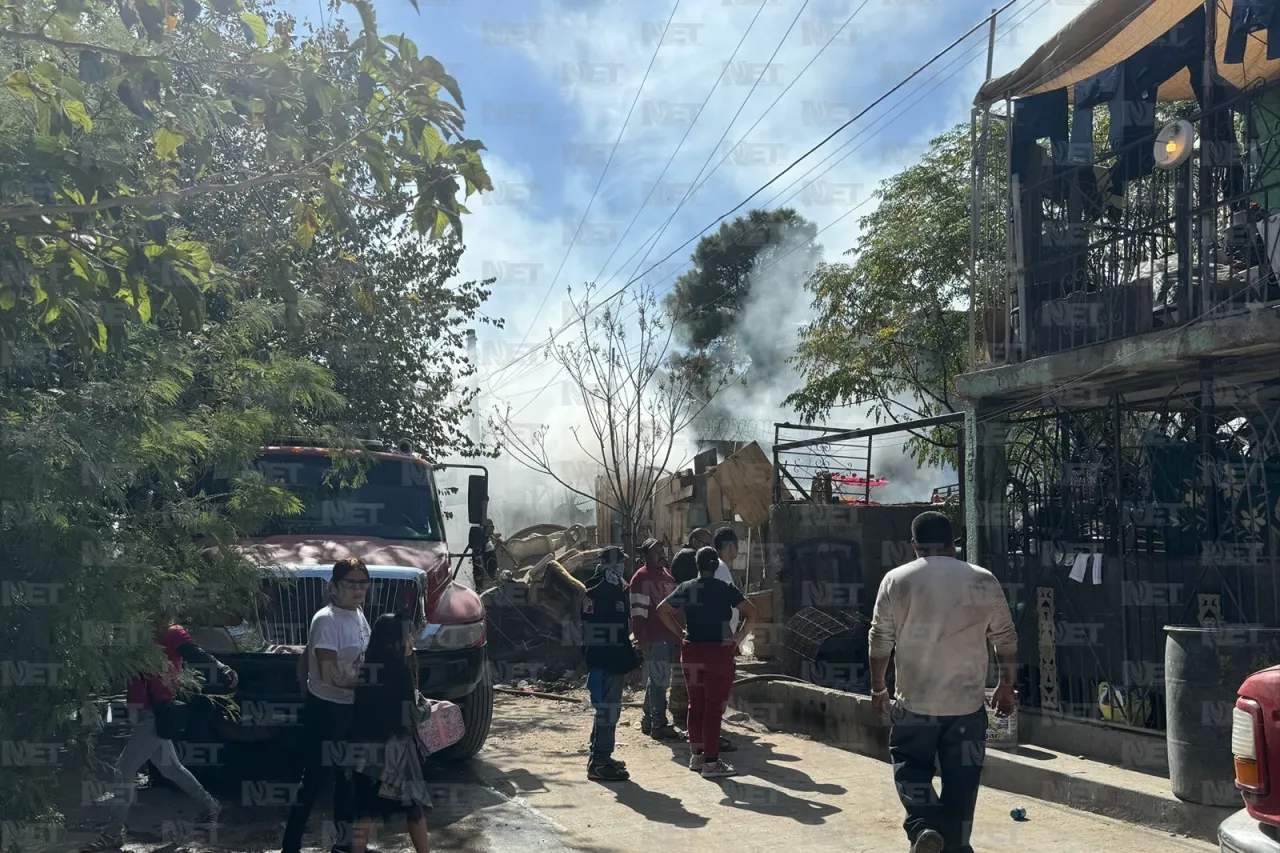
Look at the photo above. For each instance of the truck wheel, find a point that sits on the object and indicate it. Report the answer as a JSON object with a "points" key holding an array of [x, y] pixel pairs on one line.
{"points": [[477, 714]]}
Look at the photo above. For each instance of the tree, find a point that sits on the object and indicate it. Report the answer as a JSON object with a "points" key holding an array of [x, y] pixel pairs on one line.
{"points": [[891, 331], [633, 405], [707, 301], [140, 346]]}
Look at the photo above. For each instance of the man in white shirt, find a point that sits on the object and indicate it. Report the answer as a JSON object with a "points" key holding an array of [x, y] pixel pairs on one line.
{"points": [[940, 617], [726, 545], [336, 643]]}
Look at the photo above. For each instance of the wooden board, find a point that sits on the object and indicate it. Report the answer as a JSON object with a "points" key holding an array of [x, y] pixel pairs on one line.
{"points": [[746, 479]]}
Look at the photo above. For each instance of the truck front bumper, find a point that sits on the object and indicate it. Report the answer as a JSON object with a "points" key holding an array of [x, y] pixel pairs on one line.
{"points": [[270, 701], [1242, 833]]}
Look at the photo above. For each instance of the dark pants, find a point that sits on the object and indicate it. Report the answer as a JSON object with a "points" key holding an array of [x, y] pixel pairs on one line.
{"points": [[958, 745], [659, 660], [325, 728], [605, 689], [708, 672]]}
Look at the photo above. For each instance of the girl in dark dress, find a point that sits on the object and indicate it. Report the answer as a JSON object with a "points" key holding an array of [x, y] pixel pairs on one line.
{"points": [[388, 779]]}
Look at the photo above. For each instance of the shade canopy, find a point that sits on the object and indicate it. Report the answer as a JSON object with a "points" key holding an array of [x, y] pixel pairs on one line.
{"points": [[1110, 31]]}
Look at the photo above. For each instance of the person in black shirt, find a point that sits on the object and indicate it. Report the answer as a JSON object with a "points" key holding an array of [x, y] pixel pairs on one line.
{"points": [[684, 567], [706, 655], [384, 731], [610, 656]]}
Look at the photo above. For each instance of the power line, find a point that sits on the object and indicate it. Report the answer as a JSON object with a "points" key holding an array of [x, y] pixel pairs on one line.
{"points": [[827, 139], [798, 160], [972, 53], [688, 195], [657, 49], [687, 131]]}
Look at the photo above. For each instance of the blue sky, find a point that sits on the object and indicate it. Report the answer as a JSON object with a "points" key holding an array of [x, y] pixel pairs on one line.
{"points": [[548, 84]]}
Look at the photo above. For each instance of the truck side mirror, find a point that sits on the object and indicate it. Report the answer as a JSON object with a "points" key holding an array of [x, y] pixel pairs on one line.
{"points": [[477, 498]]}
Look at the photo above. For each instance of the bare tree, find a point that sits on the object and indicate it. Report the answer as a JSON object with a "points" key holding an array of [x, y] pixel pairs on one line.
{"points": [[634, 405]]}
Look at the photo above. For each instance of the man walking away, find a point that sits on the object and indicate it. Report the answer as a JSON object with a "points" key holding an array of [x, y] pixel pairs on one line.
{"points": [[607, 650], [650, 586], [939, 616], [336, 643]]}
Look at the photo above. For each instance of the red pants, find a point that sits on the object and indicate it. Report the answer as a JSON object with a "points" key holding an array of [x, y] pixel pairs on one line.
{"points": [[708, 673]]}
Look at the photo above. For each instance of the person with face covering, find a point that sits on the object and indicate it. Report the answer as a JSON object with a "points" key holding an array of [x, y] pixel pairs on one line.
{"points": [[610, 656]]}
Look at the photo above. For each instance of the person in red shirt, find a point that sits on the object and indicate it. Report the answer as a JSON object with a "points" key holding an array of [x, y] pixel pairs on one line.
{"points": [[144, 694], [650, 585]]}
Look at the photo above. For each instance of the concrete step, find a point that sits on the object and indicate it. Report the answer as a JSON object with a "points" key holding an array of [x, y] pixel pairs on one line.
{"points": [[847, 721]]}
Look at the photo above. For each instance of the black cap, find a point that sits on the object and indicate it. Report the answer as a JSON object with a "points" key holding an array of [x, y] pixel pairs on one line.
{"points": [[647, 544]]}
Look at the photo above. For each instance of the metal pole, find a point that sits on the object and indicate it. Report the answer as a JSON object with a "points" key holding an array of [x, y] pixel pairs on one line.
{"points": [[977, 179], [1205, 203]]}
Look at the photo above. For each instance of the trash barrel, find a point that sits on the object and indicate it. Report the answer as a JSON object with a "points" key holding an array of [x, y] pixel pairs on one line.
{"points": [[1203, 670]]}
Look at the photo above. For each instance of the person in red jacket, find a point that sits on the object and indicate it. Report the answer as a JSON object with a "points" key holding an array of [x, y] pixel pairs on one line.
{"points": [[144, 693], [650, 585]]}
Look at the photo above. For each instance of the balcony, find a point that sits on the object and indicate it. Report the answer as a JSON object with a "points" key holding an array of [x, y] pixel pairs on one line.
{"points": [[1157, 251]]}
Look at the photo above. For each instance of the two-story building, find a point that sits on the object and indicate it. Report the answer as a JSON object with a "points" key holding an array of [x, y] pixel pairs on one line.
{"points": [[1122, 450]]}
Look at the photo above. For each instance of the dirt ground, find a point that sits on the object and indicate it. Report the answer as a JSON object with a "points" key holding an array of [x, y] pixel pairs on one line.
{"points": [[528, 791]]}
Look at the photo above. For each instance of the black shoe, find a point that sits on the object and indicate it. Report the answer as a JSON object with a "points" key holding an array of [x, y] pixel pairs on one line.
{"points": [[928, 841], [726, 745], [607, 771], [670, 733]]}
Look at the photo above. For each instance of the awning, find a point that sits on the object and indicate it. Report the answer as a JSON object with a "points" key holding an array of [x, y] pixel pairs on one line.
{"points": [[1110, 31]]}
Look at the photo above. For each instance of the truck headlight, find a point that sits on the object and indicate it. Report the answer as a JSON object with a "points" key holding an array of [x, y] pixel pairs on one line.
{"points": [[465, 635]]}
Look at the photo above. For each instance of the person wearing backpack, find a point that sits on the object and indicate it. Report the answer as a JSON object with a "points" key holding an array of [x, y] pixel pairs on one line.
{"points": [[158, 719]]}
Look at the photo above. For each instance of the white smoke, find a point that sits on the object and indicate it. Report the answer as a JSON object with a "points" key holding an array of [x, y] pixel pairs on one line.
{"points": [[776, 310]]}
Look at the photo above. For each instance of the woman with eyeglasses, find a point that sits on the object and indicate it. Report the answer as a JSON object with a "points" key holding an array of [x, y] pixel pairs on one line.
{"points": [[335, 650]]}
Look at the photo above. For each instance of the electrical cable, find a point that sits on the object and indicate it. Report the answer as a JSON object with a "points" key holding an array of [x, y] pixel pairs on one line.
{"points": [[873, 131], [609, 162], [798, 160], [689, 129]]}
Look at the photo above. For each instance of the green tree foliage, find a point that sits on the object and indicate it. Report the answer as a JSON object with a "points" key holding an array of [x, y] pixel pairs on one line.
{"points": [[891, 331], [143, 339], [708, 300]]}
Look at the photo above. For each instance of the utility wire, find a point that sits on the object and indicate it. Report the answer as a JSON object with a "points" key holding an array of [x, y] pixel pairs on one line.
{"points": [[656, 50], [687, 131], [798, 160]]}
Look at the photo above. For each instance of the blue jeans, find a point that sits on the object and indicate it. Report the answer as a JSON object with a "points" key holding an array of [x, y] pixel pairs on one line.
{"points": [[659, 662], [605, 689], [958, 746]]}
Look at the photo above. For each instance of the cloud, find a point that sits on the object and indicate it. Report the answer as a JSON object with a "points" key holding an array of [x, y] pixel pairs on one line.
{"points": [[570, 71]]}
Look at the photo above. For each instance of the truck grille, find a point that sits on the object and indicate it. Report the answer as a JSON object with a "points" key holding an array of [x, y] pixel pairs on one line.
{"points": [[285, 618]]}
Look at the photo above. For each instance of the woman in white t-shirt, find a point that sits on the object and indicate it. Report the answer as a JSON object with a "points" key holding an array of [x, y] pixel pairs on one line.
{"points": [[335, 651]]}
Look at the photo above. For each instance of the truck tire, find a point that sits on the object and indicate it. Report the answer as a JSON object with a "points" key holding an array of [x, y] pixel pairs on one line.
{"points": [[477, 715]]}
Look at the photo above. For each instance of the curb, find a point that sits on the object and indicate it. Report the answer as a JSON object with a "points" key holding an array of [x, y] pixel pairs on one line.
{"points": [[846, 721]]}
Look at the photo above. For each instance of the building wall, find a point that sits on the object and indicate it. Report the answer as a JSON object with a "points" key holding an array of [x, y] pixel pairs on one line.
{"points": [[835, 555]]}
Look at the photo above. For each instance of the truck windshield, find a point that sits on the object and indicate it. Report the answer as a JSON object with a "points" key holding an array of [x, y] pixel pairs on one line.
{"points": [[396, 500]]}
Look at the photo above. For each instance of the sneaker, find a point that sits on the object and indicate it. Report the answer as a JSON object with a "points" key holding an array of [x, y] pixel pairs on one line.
{"points": [[212, 814], [929, 841], [719, 769], [104, 843], [667, 733], [697, 762], [726, 745], [607, 772], [617, 762]]}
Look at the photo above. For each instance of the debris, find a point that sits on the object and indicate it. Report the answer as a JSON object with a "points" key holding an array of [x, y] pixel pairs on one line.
{"points": [[1018, 814]]}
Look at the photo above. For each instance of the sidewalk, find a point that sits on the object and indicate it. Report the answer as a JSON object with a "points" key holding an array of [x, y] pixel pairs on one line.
{"points": [[794, 794], [846, 721]]}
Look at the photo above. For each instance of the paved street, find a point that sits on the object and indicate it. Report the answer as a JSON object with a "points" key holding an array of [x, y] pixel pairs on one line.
{"points": [[529, 792]]}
